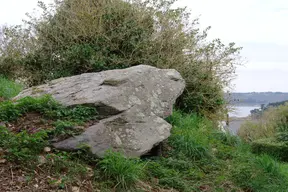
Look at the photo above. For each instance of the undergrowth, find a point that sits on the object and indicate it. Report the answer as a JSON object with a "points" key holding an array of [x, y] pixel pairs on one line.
{"points": [[196, 157], [22, 146]]}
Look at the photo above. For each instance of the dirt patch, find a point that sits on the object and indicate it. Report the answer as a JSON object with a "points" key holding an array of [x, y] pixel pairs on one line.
{"points": [[34, 122], [14, 178], [31, 122]]}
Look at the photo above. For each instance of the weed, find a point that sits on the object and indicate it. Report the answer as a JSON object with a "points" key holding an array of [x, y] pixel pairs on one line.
{"points": [[226, 138], [189, 136], [46, 106], [76, 114], [63, 130], [268, 164], [22, 147]]}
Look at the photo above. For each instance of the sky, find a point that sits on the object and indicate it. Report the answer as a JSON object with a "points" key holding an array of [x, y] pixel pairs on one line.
{"points": [[259, 26]]}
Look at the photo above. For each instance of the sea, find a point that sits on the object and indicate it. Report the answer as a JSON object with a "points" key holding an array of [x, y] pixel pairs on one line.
{"points": [[242, 111]]}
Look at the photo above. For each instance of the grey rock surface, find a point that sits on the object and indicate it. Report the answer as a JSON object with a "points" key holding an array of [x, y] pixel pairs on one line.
{"points": [[133, 100]]}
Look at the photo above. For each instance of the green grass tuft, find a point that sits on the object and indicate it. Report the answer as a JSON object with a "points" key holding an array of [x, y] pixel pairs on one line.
{"points": [[189, 136], [9, 89], [48, 107], [123, 171]]}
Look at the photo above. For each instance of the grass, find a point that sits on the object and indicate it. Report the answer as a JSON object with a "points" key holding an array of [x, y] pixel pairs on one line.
{"points": [[196, 156], [189, 136], [125, 172], [8, 89]]}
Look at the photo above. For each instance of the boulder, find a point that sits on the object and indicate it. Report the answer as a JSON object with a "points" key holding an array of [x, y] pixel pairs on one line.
{"points": [[132, 103]]}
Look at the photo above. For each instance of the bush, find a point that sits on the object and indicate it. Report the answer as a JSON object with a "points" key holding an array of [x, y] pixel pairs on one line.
{"points": [[123, 171], [78, 36], [273, 122], [250, 131], [272, 147]]}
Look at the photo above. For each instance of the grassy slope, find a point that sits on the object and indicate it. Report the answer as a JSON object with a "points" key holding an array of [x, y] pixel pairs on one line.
{"points": [[196, 158]]}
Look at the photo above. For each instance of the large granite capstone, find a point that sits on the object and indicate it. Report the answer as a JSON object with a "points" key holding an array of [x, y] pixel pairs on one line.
{"points": [[132, 101]]}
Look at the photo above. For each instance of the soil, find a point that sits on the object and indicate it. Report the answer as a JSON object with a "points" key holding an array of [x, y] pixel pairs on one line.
{"points": [[14, 178], [34, 122], [31, 122]]}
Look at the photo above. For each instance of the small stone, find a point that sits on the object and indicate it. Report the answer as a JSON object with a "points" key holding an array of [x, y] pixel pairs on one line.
{"points": [[75, 189], [47, 149], [42, 160], [36, 185], [80, 128], [90, 172], [2, 161]]}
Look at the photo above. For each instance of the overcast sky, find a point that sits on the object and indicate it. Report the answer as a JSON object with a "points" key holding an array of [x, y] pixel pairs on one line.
{"points": [[259, 26]]}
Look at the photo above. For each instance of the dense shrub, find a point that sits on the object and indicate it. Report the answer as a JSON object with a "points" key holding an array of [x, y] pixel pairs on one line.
{"points": [[272, 147], [269, 134], [250, 131], [272, 123], [77, 36]]}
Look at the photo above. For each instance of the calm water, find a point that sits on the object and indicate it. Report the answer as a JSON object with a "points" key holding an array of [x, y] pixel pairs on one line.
{"points": [[242, 111], [239, 111]]}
